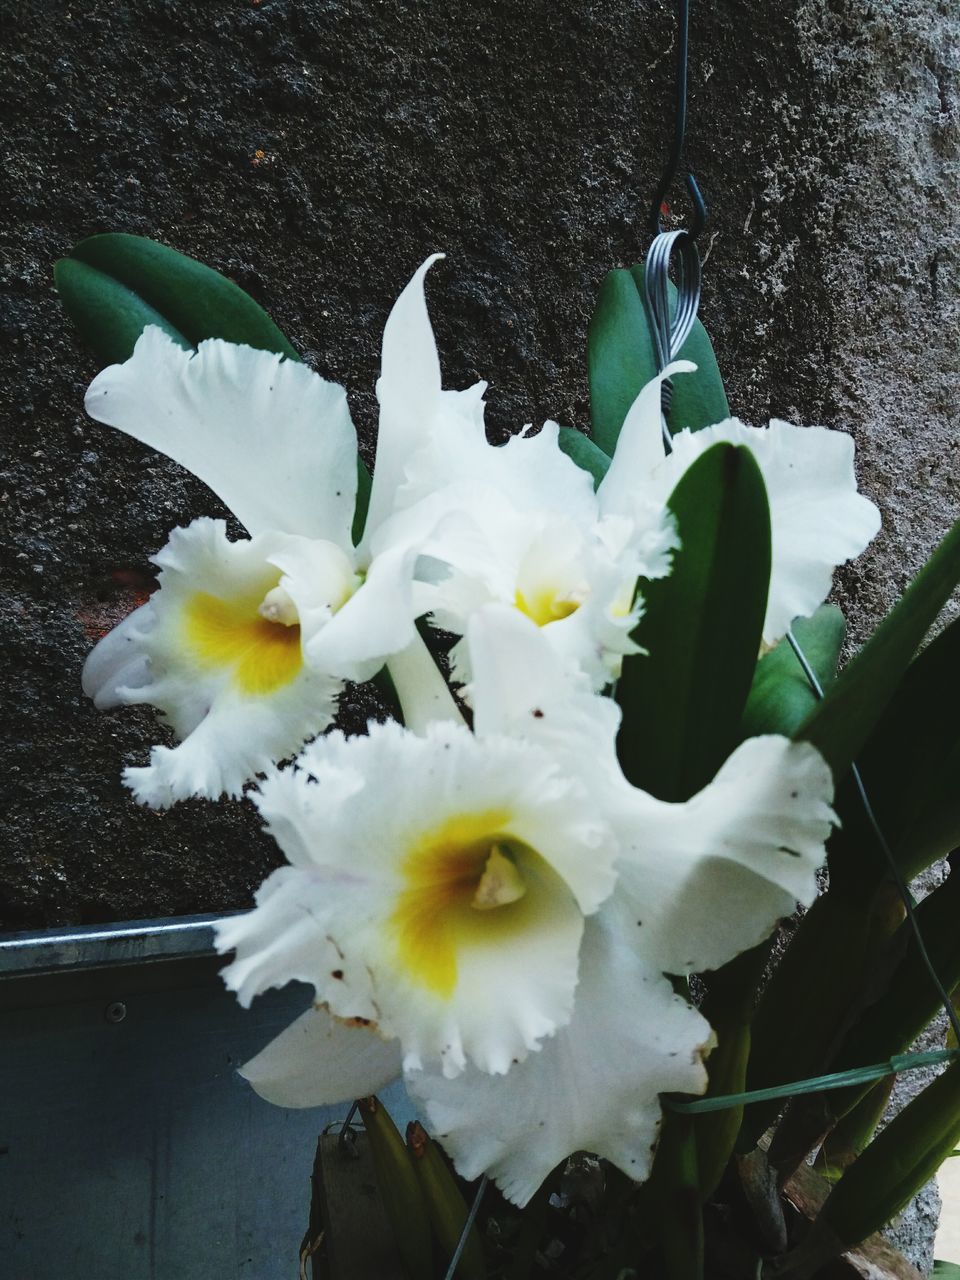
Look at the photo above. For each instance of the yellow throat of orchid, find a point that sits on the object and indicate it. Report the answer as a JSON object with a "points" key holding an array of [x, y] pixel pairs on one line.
{"points": [[262, 654], [547, 603], [464, 884], [255, 634]]}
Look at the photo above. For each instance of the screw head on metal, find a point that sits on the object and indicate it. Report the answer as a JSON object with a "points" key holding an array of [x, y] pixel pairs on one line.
{"points": [[115, 1011]]}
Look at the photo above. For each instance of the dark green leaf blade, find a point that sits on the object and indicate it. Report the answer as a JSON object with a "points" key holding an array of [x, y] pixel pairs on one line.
{"points": [[910, 765], [702, 627], [781, 697], [196, 300], [840, 724], [109, 316], [620, 356]]}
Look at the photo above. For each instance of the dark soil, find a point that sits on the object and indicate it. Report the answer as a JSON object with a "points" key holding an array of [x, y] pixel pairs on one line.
{"points": [[316, 152]]}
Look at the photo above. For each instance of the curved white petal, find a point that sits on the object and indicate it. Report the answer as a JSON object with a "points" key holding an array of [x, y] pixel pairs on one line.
{"points": [[232, 686], [118, 662], [707, 879], [392, 836], [408, 390], [640, 448], [269, 436], [375, 624], [422, 691], [521, 689], [320, 1060], [593, 1086], [818, 520]]}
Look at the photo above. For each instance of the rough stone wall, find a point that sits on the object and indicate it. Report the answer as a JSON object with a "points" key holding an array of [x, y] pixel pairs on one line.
{"points": [[315, 152]]}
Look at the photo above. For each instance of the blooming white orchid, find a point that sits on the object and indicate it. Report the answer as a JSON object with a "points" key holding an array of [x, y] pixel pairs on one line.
{"points": [[520, 524], [526, 528], [818, 520], [494, 913], [245, 646]]}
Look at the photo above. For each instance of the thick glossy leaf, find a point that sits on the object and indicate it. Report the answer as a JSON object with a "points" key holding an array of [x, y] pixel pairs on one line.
{"points": [[840, 724], [195, 300], [683, 701], [781, 697], [588, 456], [109, 316], [621, 361], [910, 766]]}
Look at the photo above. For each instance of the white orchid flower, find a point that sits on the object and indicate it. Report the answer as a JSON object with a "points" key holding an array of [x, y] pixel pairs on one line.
{"points": [[520, 524], [245, 646], [494, 915], [818, 519]]}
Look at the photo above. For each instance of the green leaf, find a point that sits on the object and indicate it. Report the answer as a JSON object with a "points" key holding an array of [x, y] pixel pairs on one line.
{"points": [[910, 765], [194, 300], [584, 453], [621, 361], [896, 1164], [840, 724], [945, 1270], [889, 1015], [109, 316], [701, 627], [781, 697]]}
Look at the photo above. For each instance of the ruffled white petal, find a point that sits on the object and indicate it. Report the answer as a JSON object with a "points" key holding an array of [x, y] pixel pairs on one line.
{"points": [[528, 472], [320, 1060], [817, 518], [366, 913], [593, 1086], [270, 437], [707, 879], [233, 687]]}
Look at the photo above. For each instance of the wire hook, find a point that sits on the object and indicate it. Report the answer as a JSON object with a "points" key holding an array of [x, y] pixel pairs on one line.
{"points": [[679, 130]]}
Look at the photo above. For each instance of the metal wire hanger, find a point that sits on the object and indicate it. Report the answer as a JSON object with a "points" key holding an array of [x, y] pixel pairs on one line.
{"points": [[670, 328]]}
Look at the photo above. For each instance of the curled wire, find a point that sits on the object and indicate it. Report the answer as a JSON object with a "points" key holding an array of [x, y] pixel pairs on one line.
{"points": [[670, 327]]}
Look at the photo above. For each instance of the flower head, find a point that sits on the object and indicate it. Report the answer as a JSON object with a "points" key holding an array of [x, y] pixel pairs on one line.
{"points": [[818, 519], [246, 645], [503, 911]]}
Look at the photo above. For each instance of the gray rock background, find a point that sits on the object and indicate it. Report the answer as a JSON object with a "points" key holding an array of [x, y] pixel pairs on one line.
{"points": [[316, 152]]}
